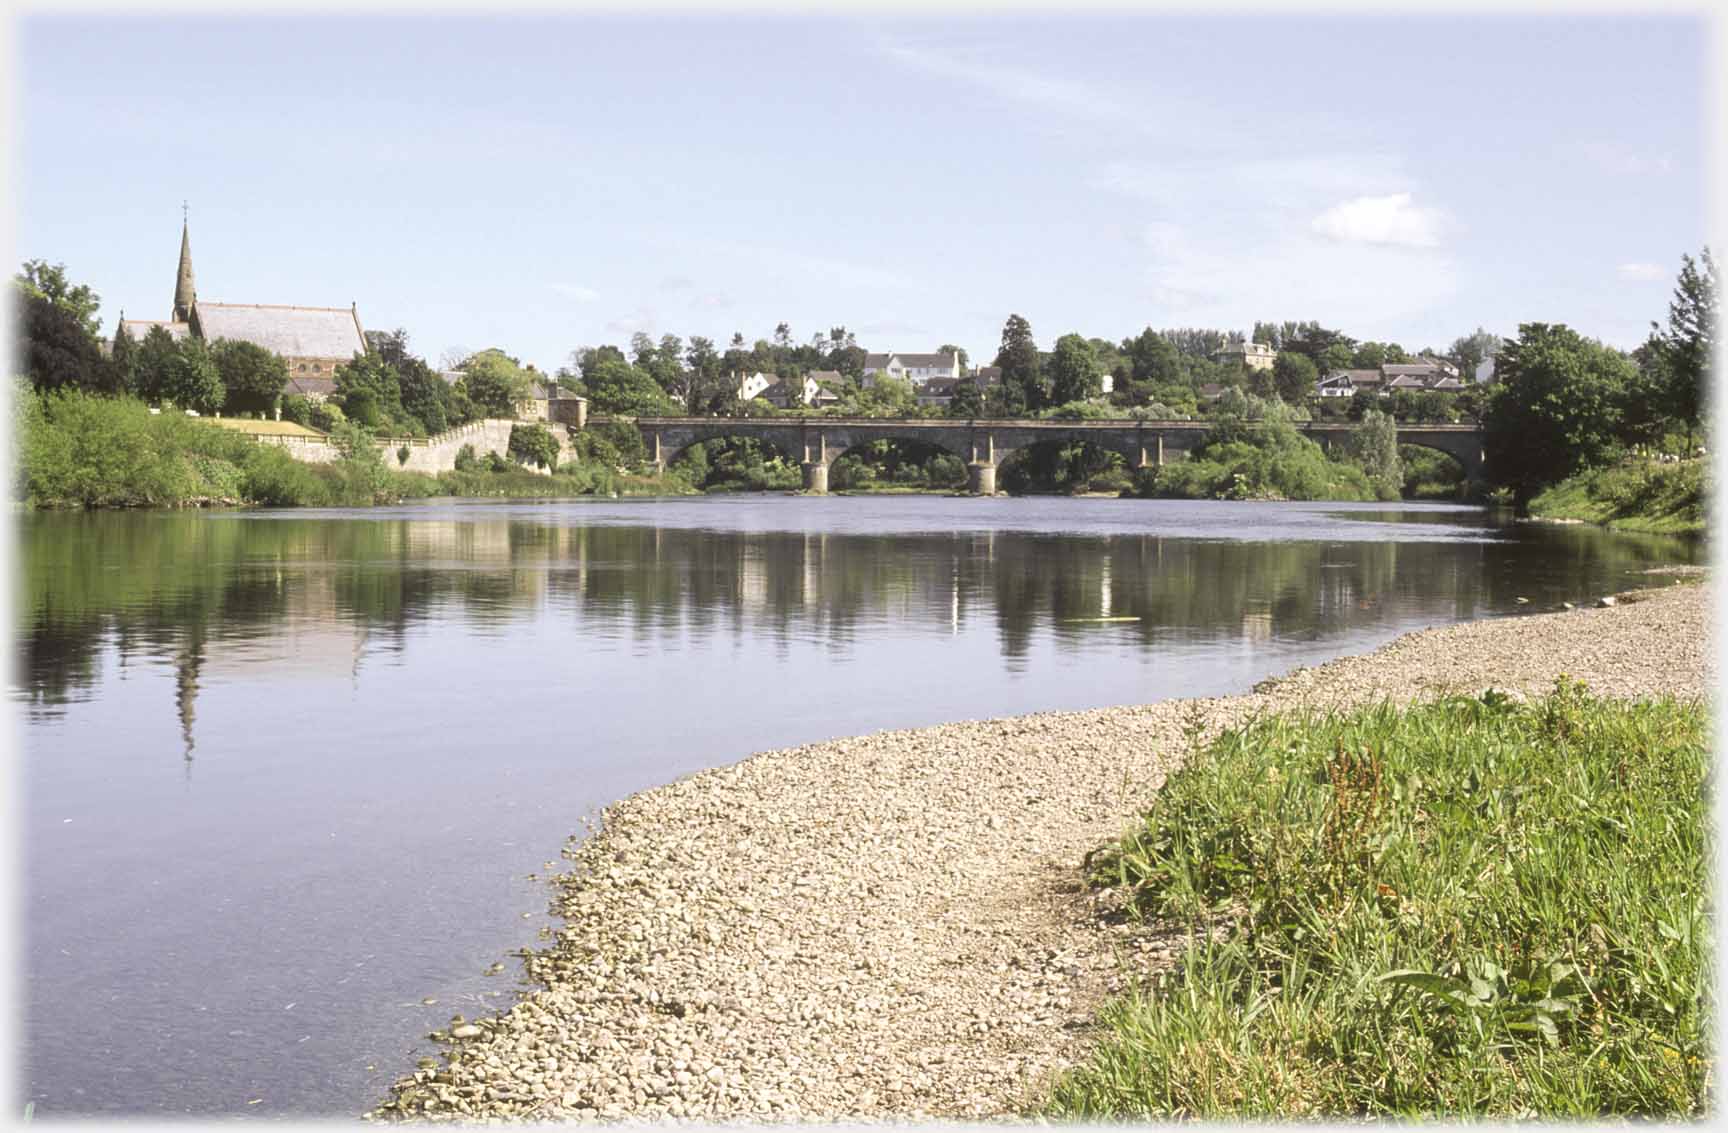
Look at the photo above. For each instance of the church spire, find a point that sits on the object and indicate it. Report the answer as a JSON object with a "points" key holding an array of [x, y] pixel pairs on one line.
{"points": [[184, 292]]}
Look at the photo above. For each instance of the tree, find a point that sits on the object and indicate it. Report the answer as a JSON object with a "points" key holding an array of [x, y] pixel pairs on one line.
{"points": [[150, 372], [40, 280], [615, 386], [1685, 347], [967, 401], [426, 397], [193, 381], [57, 353], [252, 376], [1021, 389], [1374, 446], [1472, 350], [957, 351], [496, 383], [1369, 356], [122, 358], [369, 391], [535, 444], [1555, 409], [1294, 376], [1074, 372]]}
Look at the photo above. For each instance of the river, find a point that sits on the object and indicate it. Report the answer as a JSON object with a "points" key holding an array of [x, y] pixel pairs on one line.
{"points": [[286, 775]]}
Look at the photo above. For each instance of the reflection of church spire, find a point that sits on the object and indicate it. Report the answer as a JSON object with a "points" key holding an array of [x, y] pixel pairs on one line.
{"points": [[186, 670], [185, 294]]}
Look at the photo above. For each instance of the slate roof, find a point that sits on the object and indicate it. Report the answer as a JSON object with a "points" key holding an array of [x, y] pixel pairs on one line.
{"points": [[1411, 369], [829, 376], [988, 375], [1447, 385], [939, 387], [321, 385], [293, 332], [911, 361], [138, 328], [1407, 381]]}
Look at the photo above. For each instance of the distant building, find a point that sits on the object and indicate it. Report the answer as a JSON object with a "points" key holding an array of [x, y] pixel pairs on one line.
{"points": [[1252, 355], [912, 368], [313, 340], [753, 385]]}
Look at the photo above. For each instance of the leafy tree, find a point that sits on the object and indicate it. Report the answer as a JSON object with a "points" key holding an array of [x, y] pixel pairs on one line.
{"points": [[1685, 347], [426, 397], [297, 408], [615, 386], [535, 444], [252, 376], [58, 354], [1555, 409], [496, 383], [1294, 376], [193, 381], [1374, 446], [151, 369], [1369, 356], [1472, 350], [369, 391], [1074, 371], [1021, 389], [967, 401], [40, 280], [123, 359], [1334, 357], [959, 351]]}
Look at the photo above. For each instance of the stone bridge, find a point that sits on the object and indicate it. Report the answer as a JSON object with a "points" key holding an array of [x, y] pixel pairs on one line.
{"points": [[984, 443]]}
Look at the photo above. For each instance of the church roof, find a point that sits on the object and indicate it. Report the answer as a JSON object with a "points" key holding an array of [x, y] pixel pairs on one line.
{"points": [[293, 332], [138, 328]]}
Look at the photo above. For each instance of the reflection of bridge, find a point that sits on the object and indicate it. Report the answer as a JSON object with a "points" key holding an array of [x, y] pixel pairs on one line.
{"points": [[985, 443]]}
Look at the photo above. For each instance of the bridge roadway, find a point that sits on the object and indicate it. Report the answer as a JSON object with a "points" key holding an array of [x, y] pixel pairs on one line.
{"points": [[983, 443]]}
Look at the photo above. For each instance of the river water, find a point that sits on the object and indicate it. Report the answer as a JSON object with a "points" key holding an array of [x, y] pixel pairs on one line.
{"points": [[286, 775]]}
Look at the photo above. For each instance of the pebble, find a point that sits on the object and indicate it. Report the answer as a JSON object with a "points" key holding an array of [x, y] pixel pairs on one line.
{"points": [[842, 930]]}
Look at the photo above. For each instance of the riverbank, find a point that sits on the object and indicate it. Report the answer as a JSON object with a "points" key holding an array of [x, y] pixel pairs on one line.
{"points": [[894, 925], [1637, 496]]}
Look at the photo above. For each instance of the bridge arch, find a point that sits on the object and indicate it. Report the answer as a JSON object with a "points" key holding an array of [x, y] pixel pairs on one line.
{"points": [[912, 448]]}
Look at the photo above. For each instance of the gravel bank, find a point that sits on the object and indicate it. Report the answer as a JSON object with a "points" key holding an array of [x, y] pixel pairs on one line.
{"points": [[891, 925]]}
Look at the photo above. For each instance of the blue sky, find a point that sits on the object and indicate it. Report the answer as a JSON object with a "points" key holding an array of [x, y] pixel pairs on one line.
{"points": [[545, 183]]}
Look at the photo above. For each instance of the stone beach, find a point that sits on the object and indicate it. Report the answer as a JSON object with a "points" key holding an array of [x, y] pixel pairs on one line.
{"points": [[892, 926]]}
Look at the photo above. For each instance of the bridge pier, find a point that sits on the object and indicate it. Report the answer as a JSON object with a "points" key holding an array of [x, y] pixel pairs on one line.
{"points": [[815, 477], [981, 478]]}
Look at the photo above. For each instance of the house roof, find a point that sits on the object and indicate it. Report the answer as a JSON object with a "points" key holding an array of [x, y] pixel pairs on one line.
{"points": [[138, 328], [1212, 389], [1407, 381], [1411, 369], [321, 384], [987, 375], [938, 385], [827, 375], [293, 332], [1447, 384], [911, 361]]}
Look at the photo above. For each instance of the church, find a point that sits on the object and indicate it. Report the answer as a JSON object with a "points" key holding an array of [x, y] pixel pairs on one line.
{"points": [[314, 340]]}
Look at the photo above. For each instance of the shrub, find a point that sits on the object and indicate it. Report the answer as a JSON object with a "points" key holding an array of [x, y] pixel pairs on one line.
{"points": [[327, 415], [298, 409], [534, 444], [467, 460]]}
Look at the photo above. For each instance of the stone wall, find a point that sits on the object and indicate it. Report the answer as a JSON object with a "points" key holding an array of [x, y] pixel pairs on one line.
{"points": [[425, 454]]}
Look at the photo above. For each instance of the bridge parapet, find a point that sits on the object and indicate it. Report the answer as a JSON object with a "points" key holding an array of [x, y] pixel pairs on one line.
{"points": [[985, 442]]}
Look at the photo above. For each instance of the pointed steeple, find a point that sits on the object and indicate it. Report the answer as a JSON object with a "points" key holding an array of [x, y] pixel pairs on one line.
{"points": [[184, 292]]}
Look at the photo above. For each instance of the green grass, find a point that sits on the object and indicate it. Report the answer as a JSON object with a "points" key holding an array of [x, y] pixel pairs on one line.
{"points": [[1632, 496], [1471, 907]]}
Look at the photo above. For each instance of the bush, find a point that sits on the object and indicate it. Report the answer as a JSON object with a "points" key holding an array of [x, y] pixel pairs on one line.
{"points": [[298, 409], [467, 460], [534, 444], [327, 415]]}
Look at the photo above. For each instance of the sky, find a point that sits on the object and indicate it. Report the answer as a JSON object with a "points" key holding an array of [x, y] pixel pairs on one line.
{"points": [[548, 183]]}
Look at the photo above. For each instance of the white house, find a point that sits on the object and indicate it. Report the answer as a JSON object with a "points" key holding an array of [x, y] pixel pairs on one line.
{"points": [[914, 368], [753, 385]]}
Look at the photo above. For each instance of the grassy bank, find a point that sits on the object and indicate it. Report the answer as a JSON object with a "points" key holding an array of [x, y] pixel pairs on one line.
{"points": [[1642, 495], [1470, 907], [80, 451]]}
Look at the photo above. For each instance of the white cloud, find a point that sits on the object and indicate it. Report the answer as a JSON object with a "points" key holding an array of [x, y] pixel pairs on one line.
{"points": [[1613, 157], [1391, 219], [1642, 273], [576, 291], [1015, 83]]}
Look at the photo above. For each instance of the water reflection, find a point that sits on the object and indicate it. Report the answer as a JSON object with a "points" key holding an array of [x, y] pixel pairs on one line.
{"points": [[321, 592], [285, 773]]}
